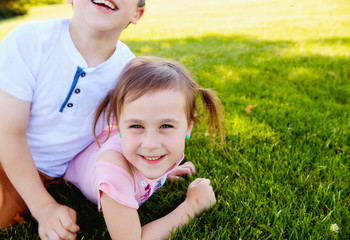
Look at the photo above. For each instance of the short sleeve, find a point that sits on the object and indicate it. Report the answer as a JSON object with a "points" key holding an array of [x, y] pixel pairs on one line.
{"points": [[116, 182], [18, 53]]}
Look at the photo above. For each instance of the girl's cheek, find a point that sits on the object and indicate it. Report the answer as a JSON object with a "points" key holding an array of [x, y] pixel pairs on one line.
{"points": [[178, 143]]}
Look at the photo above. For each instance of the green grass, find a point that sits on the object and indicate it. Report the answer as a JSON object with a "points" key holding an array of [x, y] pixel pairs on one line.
{"points": [[284, 173]]}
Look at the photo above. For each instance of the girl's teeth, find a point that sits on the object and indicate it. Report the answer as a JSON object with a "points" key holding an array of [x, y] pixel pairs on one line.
{"points": [[152, 158]]}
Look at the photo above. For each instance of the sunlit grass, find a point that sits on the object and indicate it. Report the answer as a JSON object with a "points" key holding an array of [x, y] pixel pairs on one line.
{"points": [[284, 172]]}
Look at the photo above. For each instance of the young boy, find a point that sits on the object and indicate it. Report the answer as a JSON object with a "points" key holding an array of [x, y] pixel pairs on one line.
{"points": [[53, 75]]}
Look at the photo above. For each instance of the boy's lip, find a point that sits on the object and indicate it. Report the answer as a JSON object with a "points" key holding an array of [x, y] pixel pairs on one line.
{"points": [[109, 3]]}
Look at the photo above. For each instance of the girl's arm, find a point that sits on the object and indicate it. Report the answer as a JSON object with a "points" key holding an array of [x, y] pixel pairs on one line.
{"points": [[123, 222]]}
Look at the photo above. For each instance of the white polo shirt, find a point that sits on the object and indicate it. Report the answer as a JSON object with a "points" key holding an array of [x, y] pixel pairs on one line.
{"points": [[39, 63]]}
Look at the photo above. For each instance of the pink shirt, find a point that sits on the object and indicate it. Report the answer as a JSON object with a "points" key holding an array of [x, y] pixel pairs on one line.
{"points": [[91, 177]]}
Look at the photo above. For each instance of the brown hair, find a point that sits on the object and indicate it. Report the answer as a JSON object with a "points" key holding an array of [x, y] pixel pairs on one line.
{"points": [[143, 75]]}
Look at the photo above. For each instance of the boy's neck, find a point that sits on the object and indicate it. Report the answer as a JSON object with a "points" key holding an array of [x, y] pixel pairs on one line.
{"points": [[95, 47]]}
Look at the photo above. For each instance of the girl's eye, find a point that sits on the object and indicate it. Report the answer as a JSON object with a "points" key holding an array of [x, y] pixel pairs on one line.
{"points": [[166, 126], [136, 126]]}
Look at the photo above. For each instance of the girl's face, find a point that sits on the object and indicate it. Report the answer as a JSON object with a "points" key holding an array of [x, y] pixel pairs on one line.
{"points": [[153, 129]]}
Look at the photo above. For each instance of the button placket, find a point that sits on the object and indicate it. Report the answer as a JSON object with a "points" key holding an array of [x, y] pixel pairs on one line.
{"points": [[77, 90], [79, 73]]}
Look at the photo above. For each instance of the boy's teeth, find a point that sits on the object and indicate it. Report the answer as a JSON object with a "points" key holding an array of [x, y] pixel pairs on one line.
{"points": [[106, 3]]}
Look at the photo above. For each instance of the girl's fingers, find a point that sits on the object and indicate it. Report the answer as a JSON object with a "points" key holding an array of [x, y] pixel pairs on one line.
{"points": [[175, 178], [197, 181], [206, 181], [190, 166], [183, 170], [201, 180], [187, 171]]}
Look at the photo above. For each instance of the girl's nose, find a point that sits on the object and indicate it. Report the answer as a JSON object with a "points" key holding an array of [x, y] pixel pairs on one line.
{"points": [[151, 141]]}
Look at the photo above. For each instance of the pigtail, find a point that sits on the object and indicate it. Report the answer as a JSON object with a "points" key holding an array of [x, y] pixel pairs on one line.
{"points": [[213, 105]]}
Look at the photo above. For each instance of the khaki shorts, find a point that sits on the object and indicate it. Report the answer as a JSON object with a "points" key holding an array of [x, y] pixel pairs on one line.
{"points": [[12, 206]]}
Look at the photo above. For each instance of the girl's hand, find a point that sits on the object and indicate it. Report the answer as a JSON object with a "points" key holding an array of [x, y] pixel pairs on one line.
{"points": [[57, 222], [185, 169], [200, 195]]}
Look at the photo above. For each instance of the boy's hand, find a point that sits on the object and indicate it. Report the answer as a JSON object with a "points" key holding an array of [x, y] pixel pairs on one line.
{"points": [[200, 195], [185, 169], [57, 222]]}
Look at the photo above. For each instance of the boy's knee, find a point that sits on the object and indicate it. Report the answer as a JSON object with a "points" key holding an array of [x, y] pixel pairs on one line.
{"points": [[12, 212], [12, 206]]}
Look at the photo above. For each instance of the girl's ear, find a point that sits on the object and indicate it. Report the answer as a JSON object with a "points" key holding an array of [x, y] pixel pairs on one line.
{"points": [[191, 123], [138, 14], [189, 128]]}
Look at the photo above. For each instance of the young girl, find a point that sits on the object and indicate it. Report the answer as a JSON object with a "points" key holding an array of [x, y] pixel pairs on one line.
{"points": [[154, 107]]}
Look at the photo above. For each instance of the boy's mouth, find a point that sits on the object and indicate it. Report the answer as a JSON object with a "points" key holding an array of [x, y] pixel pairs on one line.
{"points": [[105, 4]]}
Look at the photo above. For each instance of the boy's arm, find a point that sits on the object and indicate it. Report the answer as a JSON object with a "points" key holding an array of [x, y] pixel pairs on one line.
{"points": [[19, 166], [123, 222]]}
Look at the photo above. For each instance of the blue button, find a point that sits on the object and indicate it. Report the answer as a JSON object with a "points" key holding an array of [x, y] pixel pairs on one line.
{"points": [[70, 105], [77, 91], [83, 74]]}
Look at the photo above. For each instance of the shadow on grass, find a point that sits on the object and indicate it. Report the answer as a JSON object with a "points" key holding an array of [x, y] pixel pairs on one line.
{"points": [[219, 61], [301, 98]]}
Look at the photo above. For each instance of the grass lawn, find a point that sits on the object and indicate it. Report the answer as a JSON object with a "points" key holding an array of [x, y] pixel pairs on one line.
{"points": [[284, 173]]}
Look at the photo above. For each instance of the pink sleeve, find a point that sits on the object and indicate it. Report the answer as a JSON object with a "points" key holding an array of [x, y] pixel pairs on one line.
{"points": [[116, 182]]}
